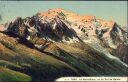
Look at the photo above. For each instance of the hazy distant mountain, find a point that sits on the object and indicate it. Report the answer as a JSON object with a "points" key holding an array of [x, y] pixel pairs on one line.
{"points": [[60, 43]]}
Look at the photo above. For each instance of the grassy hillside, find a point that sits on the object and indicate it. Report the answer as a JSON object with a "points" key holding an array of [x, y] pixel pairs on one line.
{"points": [[7, 75], [38, 65]]}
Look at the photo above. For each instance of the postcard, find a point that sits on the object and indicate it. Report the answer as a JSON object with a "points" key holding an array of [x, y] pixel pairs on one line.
{"points": [[63, 41]]}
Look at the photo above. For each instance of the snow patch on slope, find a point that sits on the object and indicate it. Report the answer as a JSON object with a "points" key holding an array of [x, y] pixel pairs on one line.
{"points": [[96, 45]]}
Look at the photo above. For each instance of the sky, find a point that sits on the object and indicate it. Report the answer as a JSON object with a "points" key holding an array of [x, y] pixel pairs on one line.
{"points": [[107, 10]]}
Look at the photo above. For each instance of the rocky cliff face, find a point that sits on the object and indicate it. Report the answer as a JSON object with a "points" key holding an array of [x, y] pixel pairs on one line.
{"points": [[68, 43]]}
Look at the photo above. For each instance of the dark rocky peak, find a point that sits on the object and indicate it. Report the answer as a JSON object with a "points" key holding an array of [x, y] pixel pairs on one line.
{"points": [[122, 52], [55, 30]]}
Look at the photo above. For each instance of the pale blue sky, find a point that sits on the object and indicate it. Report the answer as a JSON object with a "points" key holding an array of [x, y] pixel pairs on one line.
{"points": [[108, 10]]}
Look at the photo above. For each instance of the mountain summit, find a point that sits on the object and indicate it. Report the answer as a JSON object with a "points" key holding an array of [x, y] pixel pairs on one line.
{"points": [[64, 26], [69, 43]]}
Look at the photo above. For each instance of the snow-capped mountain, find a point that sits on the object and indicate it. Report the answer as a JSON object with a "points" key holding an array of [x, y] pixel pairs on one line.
{"points": [[97, 45]]}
